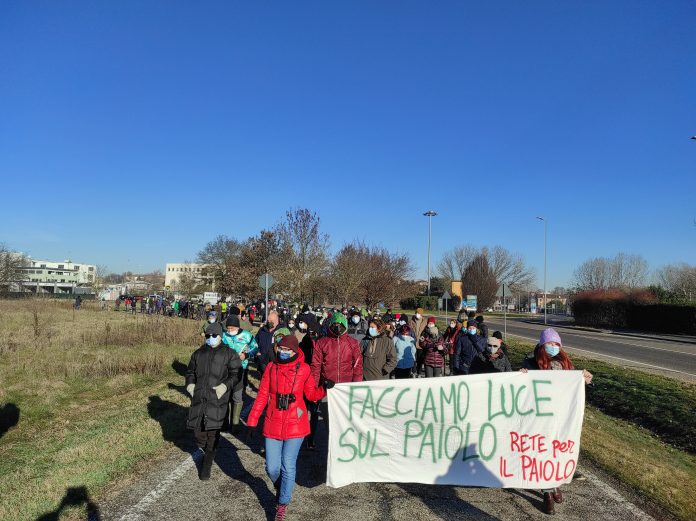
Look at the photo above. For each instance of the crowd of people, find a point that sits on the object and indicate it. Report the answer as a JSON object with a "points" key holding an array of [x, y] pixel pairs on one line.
{"points": [[301, 355]]}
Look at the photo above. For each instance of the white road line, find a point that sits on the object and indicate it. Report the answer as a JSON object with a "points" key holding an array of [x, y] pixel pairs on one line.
{"points": [[137, 511], [611, 492], [570, 348]]}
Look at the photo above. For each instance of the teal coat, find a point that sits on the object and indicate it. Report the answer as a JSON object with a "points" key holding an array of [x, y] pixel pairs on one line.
{"points": [[242, 341]]}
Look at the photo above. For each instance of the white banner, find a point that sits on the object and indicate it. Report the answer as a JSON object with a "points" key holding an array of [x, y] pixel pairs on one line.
{"points": [[504, 430]]}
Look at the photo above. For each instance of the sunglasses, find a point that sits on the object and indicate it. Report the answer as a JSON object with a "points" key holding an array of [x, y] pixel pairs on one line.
{"points": [[211, 336]]}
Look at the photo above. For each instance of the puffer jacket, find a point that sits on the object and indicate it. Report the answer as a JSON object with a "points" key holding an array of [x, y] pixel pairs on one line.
{"points": [[242, 341], [434, 349], [338, 359], [379, 357], [209, 367], [291, 377], [467, 348]]}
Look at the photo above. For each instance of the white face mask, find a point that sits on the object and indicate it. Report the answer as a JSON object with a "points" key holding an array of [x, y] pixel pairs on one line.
{"points": [[453, 325], [302, 326], [291, 325], [233, 332], [418, 316]]}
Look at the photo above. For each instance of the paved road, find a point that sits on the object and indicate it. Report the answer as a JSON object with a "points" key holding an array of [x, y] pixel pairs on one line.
{"points": [[240, 490], [667, 354]]}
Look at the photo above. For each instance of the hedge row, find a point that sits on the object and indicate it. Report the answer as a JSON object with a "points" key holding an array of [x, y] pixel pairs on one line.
{"points": [[632, 310]]}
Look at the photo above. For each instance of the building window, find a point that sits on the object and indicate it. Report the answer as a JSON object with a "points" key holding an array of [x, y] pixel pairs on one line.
{"points": [[43, 265], [91, 268], [77, 267], [61, 266]]}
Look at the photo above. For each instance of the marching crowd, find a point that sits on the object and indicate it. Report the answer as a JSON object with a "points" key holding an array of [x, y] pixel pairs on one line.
{"points": [[301, 355]]}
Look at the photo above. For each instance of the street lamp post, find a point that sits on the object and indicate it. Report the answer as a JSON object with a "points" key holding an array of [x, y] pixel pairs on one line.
{"points": [[545, 303], [429, 214]]}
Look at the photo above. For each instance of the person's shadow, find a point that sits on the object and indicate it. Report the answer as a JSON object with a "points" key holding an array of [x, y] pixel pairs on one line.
{"points": [[442, 499], [228, 460], [172, 419], [74, 497], [9, 417], [179, 367]]}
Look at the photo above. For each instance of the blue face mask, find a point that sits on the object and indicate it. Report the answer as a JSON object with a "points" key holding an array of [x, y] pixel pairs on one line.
{"points": [[373, 331], [552, 349], [471, 331], [284, 355], [212, 341]]}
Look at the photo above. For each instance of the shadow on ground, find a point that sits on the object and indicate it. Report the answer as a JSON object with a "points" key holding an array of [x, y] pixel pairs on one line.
{"points": [[74, 497]]}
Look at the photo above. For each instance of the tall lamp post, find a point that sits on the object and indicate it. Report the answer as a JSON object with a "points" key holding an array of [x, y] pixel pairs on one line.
{"points": [[429, 214], [545, 303]]}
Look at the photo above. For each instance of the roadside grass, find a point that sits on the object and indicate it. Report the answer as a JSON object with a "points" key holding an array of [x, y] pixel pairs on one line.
{"points": [[91, 408]]}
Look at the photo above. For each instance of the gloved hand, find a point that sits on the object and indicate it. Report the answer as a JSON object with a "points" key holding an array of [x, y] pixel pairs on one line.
{"points": [[190, 388], [328, 384], [249, 433], [220, 390]]}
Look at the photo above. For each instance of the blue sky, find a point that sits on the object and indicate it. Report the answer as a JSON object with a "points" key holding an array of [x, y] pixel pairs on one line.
{"points": [[131, 133]]}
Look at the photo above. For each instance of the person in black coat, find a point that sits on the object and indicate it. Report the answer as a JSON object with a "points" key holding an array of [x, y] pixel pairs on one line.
{"points": [[212, 373]]}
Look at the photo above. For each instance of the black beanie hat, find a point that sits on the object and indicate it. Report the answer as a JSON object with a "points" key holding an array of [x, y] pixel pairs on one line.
{"points": [[214, 329], [232, 321]]}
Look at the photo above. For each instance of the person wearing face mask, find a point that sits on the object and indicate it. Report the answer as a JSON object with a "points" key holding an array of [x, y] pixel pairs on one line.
{"points": [[492, 361], [450, 336], [378, 351], [433, 347], [549, 355], [357, 326], [337, 357], [245, 346], [417, 325], [503, 345], [210, 318], [405, 346], [264, 339], [285, 384], [469, 346], [212, 373]]}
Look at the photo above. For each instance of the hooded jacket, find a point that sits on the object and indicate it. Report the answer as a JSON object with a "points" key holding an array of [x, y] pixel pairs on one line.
{"points": [[379, 357], [240, 342], [466, 349], [405, 351], [338, 359], [291, 377], [209, 367]]}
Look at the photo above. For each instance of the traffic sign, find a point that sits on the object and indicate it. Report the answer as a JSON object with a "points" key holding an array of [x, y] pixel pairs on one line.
{"points": [[446, 296], [262, 281]]}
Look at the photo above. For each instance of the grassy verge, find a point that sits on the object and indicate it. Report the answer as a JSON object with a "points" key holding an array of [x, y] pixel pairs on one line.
{"points": [[90, 408]]}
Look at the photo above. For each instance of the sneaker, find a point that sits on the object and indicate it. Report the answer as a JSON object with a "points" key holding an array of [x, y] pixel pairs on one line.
{"points": [[280, 512]]}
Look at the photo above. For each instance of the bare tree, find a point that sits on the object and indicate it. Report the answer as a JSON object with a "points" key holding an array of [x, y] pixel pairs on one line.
{"points": [[680, 279], [479, 280], [348, 273], [100, 273], [510, 268], [11, 274], [621, 271], [221, 260], [303, 252], [455, 261]]}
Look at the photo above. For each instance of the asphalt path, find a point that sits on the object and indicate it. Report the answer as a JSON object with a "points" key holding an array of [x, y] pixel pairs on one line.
{"points": [[240, 490], [669, 355]]}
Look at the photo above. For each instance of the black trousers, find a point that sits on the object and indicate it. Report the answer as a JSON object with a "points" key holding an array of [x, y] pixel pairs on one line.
{"points": [[207, 439]]}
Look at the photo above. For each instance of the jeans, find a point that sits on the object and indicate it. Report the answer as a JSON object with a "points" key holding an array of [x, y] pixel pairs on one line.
{"points": [[431, 371], [281, 462]]}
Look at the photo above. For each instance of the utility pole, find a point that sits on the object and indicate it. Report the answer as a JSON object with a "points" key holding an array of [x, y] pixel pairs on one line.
{"points": [[429, 214], [545, 303]]}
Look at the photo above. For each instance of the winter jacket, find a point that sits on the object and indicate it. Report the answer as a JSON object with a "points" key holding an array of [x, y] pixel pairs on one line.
{"points": [[379, 357], [434, 350], [264, 339], [467, 348], [486, 364], [450, 337], [405, 347], [357, 331], [209, 367], [307, 346], [242, 341], [338, 359], [291, 377], [417, 326]]}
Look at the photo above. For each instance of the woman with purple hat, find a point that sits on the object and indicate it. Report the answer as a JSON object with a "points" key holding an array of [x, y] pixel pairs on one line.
{"points": [[549, 354]]}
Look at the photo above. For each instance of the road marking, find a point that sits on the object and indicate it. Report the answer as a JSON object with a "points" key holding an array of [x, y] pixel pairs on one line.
{"points": [[614, 494], [137, 511], [602, 337], [570, 348]]}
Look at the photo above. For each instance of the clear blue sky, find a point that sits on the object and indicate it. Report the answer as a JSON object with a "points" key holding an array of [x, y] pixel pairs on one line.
{"points": [[133, 132]]}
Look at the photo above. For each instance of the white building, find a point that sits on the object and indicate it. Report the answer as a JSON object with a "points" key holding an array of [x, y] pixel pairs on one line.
{"points": [[40, 276], [174, 270]]}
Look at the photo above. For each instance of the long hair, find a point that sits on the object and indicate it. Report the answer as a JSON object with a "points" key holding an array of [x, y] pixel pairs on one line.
{"points": [[543, 359]]}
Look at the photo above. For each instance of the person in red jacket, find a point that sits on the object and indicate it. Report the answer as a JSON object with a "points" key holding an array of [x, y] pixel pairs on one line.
{"points": [[284, 386], [337, 357]]}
